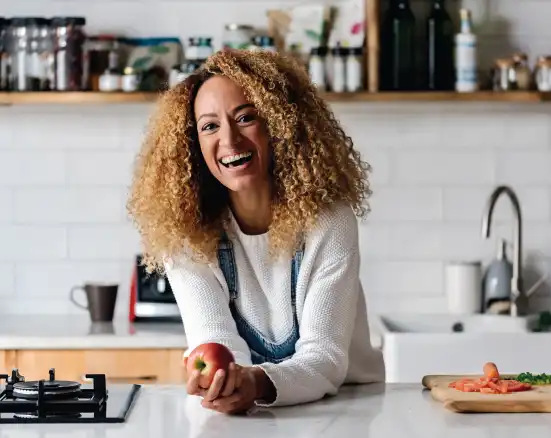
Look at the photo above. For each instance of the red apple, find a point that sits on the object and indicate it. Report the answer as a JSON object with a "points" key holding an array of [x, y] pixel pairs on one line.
{"points": [[209, 358]]}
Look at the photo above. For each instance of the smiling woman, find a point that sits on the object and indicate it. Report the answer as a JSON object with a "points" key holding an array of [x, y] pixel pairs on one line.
{"points": [[245, 193]]}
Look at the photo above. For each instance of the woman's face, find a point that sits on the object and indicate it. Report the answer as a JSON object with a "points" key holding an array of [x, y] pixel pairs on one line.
{"points": [[234, 140]]}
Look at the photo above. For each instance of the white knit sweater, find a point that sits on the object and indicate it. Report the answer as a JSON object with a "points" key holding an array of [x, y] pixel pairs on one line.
{"points": [[334, 345]]}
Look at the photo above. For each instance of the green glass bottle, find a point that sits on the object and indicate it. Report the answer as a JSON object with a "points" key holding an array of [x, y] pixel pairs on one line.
{"points": [[398, 47], [440, 48]]}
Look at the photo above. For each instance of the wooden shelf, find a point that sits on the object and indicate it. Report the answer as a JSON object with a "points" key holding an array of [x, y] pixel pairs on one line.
{"points": [[77, 98], [427, 96], [54, 97]]}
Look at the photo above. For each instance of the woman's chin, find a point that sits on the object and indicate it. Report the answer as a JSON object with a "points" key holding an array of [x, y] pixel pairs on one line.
{"points": [[244, 183]]}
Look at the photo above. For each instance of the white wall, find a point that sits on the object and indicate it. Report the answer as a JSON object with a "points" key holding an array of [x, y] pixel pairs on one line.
{"points": [[64, 170]]}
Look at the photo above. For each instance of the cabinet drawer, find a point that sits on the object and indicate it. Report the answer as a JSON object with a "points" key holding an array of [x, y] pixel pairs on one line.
{"points": [[120, 366]]}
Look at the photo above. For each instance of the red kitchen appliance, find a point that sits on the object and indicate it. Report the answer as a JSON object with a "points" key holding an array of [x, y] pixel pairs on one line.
{"points": [[151, 296]]}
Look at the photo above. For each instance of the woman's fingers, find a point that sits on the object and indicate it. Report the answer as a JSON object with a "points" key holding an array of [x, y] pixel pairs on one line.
{"points": [[192, 385], [229, 386], [215, 386], [184, 370], [238, 377]]}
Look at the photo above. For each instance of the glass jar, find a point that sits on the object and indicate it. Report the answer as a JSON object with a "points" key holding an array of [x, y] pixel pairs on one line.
{"points": [[4, 53], [19, 44], [96, 59], [263, 42], [522, 74], [237, 36], [199, 49], [69, 52], [542, 74], [502, 75]]}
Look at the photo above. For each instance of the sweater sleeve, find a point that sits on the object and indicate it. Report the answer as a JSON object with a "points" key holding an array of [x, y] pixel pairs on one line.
{"points": [[204, 306], [320, 363]]}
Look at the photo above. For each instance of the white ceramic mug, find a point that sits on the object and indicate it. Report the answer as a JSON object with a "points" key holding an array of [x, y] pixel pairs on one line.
{"points": [[463, 286]]}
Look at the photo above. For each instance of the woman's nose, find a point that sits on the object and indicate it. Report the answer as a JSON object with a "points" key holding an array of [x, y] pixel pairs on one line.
{"points": [[229, 135]]}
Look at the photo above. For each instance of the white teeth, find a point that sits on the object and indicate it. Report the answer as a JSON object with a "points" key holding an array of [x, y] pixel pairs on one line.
{"points": [[231, 158]]}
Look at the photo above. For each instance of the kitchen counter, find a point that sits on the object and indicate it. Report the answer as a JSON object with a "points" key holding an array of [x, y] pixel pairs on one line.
{"points": [[376, 411], [52, 332], [47, 332]]}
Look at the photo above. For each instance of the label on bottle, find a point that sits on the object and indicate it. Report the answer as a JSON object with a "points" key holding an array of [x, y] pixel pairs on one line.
{"points": [[466, 64]]}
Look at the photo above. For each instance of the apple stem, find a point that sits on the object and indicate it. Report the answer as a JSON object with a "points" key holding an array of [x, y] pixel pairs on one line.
{"points": [[200, 364]]}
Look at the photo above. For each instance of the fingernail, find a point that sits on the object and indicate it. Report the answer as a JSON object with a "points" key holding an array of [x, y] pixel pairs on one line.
{"points": [[220, 373]]}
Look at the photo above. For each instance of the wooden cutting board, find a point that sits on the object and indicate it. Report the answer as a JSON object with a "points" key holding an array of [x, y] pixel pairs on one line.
{"points": [[536, 400]]}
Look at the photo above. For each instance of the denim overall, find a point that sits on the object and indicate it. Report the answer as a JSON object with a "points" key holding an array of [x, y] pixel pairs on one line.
{"points": [[262, 350]]}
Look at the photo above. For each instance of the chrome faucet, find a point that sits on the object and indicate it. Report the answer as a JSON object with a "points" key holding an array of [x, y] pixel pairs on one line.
{"points": [[519, 299]]}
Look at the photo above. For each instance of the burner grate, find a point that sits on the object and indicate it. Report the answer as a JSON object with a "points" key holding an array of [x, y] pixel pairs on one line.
{"points": [[58, 400]]}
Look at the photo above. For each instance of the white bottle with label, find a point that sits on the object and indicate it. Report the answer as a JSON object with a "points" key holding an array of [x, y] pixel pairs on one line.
{"points": [[465, 55]]}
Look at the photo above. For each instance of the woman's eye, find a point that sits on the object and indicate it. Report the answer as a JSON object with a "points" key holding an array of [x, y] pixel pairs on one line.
{"points": [[208, 127], [246, 118]]}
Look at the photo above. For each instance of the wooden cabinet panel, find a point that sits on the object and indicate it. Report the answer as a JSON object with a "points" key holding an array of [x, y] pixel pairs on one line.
{"points": [[136, 366], [68, 364], [7, 361], [120, 366]]}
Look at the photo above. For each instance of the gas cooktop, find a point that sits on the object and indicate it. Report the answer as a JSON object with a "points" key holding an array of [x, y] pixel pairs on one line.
{"points": [[61, 401]]}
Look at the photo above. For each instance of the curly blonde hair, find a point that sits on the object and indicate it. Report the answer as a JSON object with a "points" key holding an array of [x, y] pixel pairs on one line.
{"points": [[175, 201]]}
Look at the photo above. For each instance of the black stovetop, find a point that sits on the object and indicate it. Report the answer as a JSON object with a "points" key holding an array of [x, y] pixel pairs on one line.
{"points": [[62, 401]]}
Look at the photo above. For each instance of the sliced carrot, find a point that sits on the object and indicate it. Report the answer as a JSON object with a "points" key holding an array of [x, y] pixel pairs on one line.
{"points": [[489, 391], [490, 370]]}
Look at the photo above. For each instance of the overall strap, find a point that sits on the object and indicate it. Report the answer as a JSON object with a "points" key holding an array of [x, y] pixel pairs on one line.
{"points": [[226, 259]]}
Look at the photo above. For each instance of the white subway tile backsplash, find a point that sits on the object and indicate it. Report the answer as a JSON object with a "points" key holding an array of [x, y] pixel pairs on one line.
{"points": [[468, 204], [23, 168], [400, 241], [21, 243], [54, 280], [436, 167], [7, 283], [65, 170], [100, 168], [68, 205], [402, 278], [6, 206], [103, 242], [406, 204], [524, 168]]}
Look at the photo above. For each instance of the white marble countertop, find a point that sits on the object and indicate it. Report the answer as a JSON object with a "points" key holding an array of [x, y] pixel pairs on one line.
{"points": [[49, 332], [375, 411], [43, 332]]}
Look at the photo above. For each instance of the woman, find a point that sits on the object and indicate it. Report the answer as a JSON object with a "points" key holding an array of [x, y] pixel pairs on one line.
{"points": [[245, 194]]}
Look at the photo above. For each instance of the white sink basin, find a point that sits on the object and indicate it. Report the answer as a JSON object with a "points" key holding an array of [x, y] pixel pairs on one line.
{"points": [[415, 345], [447, 323]]}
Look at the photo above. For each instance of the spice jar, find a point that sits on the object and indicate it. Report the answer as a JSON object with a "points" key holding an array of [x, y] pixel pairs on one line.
{"points": [[69, 56], [130, 81], [522, 75], [542, 74], [96, 59], [502, 75], [237, 36]]}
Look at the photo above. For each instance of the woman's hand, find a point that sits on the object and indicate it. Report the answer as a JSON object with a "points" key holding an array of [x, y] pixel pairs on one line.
{"points": [[235, 394], [242, 396], [254, 385], [220, 386]]}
